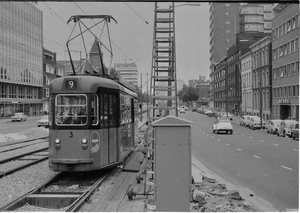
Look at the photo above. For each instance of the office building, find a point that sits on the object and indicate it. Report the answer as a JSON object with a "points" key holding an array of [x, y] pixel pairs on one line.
{"points": [[128, 71], [246, 79], [261, 57], [285, 47], [255, 17], [21, 58]]}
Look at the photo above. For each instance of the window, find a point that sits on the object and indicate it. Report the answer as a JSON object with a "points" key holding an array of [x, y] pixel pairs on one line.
{"points": [[71, 110], [94, 118]]}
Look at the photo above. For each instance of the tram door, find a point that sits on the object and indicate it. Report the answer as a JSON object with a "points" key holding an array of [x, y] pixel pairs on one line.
{"points": [[108, 112]]}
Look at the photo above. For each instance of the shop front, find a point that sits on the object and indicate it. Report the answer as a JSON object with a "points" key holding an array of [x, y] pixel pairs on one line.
{"points": [[29, 107]]}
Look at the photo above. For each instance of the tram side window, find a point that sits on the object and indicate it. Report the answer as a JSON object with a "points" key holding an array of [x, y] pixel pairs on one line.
{"points": [[70, 109], [123, 109], [113, 113], [94, 110]]}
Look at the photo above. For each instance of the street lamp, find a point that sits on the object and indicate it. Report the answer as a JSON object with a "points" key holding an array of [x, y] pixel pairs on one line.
{"points": [[227, 100], [188, 5]]}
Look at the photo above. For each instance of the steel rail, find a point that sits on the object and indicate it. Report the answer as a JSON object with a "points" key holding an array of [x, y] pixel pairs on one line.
{"points": [[2, 174], [79, 202], [22, 155]]}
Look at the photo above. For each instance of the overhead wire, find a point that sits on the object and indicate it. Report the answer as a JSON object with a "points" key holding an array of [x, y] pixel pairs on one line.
{"points": [[104, 33], [138, 14]]}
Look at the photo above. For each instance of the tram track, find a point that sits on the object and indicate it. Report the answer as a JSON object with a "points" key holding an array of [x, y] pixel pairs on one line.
{"points": [[22, 161], [63, 192]]}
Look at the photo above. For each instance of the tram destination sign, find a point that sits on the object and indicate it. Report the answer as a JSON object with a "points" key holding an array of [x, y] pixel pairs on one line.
{"points": [[70, 84]]}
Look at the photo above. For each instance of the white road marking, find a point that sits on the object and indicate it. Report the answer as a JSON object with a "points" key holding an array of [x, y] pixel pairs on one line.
{"points": [[262, 140], [239, 149], [219, 140], [256, 156], [296, 150], [227, 144], [286, 167], [276, 144], [251, 137]]}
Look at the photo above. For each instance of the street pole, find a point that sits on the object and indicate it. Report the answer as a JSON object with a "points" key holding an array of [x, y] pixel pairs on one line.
{"points": [[260, 101], [141, 109], [147, 97]]}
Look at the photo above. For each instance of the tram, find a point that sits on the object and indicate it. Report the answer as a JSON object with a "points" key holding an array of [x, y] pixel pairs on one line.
{"points": [[92, 123]]}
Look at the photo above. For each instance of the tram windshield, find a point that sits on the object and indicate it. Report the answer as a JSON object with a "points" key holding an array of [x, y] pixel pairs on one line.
{"points": [[71, 109]]}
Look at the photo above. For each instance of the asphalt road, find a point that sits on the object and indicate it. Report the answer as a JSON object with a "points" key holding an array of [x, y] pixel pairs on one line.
{"points": [[266, 164], [6, 126]]}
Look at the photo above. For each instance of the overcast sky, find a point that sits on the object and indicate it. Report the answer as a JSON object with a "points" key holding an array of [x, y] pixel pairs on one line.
{"points": [[132, 37]]}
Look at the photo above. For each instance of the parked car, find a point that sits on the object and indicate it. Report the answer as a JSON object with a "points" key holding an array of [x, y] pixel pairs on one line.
{"points": [[257, 123], [286, 127], [242, 122], [247, 120], [273, 125], [225, 114], [295, 132], [44, 121], [211, 114], [19, 116], [207, 111], [222, 124], [182, 110]]}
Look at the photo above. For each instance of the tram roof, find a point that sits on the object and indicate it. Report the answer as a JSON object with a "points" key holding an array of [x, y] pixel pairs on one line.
{"points": [[86, 84]]}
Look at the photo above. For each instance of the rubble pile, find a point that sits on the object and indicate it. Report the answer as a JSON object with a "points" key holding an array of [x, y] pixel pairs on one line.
{"points": [[211, 196]]}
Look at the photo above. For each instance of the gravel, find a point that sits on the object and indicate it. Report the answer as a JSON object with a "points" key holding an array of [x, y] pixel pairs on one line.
{"points": [[16, 152], [23, 181]]}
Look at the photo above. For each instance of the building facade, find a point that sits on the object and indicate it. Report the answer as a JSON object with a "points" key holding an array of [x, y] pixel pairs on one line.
{"points": [[223, 26], [256, 17], [21, 58], [285, 51], [128, 71], [262, 77], [49, 73], [246, 78], [218, 85]]}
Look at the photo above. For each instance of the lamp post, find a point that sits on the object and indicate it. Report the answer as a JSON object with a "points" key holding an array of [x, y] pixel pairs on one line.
{"points": [[227, 100]]}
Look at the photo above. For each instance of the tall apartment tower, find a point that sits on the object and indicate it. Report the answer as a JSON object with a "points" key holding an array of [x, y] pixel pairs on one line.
{"points": [[228, 19], [223, 26]]}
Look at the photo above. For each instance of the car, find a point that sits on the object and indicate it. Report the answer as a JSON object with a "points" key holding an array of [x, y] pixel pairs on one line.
{"points": [[285, 128], [182, 110], [257, 123], [242, 122], [222, 124], [207, 111], [44, 121], [19, 116], [273, 125], [295, 132], [225, 114], [247, 120], [211, 114]]}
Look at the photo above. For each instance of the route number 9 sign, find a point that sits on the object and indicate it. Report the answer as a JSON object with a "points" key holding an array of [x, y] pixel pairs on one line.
{"points": [[70, 84]]}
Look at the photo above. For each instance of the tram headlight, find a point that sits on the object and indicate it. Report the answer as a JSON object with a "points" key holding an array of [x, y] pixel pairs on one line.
{"points": [[84, 144], [57, 143]]}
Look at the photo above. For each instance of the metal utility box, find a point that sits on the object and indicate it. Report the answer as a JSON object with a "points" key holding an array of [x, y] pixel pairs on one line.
{"points": [[172, 164]]}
